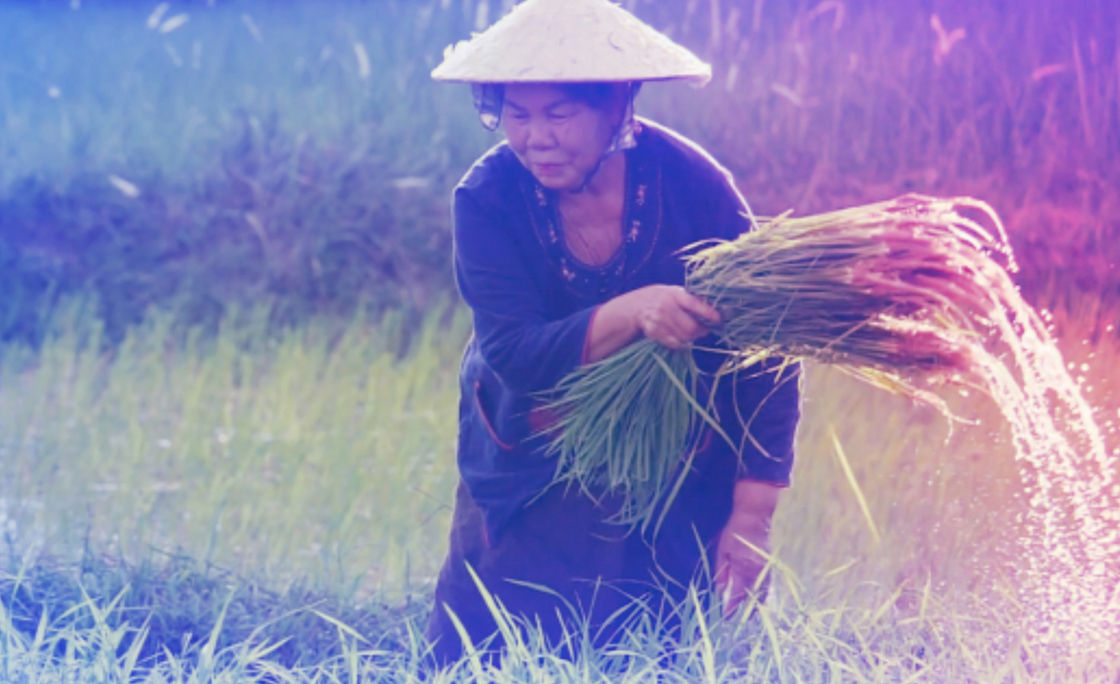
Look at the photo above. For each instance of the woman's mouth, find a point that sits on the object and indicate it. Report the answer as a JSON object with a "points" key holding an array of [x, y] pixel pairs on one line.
{"points": [[548, 168]]}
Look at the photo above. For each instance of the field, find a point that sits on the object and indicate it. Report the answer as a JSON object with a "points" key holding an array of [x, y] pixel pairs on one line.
{"points": [[227, 376]]}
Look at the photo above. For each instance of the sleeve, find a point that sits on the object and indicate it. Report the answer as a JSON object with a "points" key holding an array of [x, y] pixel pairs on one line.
{"points": [[758, 407], [761, 410], [729, 216], [516, 339]]}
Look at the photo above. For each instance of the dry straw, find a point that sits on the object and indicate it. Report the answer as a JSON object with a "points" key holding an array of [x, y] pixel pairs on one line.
{"points": [[896, 293]]}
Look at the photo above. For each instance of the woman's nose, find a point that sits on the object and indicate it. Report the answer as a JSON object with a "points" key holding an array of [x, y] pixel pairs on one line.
{"points": [[540, 134]]}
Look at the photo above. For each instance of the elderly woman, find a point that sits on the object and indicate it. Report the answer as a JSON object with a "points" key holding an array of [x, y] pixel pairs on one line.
{"points": [[566, 250]]}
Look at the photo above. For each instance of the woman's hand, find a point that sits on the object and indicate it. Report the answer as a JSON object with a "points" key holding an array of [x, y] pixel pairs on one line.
{"points": [[669, 315], [664, 314], [743, 547]]}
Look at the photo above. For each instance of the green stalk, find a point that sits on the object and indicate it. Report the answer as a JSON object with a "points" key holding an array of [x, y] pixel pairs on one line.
{"points": [[893, 293]]}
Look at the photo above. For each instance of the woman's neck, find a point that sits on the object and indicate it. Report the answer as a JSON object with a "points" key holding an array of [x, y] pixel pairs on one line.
{"points": [[607, 178], [591, 219]]}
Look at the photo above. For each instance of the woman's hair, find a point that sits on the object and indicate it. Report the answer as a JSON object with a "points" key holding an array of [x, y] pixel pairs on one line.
{"points": [[596, 95], [489, 97]]}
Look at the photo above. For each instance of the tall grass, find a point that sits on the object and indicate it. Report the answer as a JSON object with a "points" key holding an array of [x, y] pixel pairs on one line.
{"points": [[248, 155], [316, 450], [249, 490], [115, 95], [271, 144], [176, 504], [818, 105]]}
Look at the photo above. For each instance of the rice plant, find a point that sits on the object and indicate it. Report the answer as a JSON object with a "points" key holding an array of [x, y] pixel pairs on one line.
{"points": [[896, 293]]}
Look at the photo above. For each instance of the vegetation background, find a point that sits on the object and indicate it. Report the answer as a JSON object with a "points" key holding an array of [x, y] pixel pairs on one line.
{"points": [[227, 371]]}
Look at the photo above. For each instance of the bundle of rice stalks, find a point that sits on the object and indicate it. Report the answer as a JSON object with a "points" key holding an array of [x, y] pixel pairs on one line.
{"points": [[896, 293]]}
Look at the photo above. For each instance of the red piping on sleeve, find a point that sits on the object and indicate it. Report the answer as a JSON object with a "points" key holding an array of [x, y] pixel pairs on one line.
{"points": [[779, 485], [586, 353], [504, 446]]}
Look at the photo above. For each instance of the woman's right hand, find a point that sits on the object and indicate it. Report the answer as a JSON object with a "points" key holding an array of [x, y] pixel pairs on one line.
{"points": [[669, 315]]}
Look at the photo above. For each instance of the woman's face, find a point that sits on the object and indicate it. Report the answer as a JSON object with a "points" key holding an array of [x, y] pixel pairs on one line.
{"points": [[560, 139]]}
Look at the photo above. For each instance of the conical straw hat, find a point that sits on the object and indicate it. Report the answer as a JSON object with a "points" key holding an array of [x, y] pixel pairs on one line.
{"points": [[569, 41]]}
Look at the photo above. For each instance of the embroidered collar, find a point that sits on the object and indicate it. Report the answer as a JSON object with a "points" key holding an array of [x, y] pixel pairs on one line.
{"points": [[641, 225]]}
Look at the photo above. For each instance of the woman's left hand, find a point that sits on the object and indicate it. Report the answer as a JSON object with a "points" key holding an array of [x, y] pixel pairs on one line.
{"points": [[743, 547]]}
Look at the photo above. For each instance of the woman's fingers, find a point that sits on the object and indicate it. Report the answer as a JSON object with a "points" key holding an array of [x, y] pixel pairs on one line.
{"points": [[673, 329], [671, 316], [704, 313]]}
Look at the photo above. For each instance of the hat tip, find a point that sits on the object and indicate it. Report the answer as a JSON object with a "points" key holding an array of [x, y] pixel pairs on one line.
{"points": [[599, 41]]}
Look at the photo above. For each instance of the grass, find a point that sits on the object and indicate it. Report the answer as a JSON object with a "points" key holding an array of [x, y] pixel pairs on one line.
{"points": [[201, 448], [256, 504], [152, 107], [243, 157], [287, 486], [303, 136]]}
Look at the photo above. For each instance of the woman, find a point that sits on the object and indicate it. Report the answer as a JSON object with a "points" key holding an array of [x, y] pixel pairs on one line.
{"points": [[566, 249]]}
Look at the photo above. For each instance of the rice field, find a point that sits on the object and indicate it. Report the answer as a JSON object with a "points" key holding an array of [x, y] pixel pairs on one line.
{"points": [[229, 451], [230, 494]]}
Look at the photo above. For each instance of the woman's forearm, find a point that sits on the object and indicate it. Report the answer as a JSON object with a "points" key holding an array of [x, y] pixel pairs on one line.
{"points": [[612, 327], [755, 499]]}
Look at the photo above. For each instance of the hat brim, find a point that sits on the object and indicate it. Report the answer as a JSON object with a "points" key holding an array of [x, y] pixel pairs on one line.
{"points": [[569, 41]]}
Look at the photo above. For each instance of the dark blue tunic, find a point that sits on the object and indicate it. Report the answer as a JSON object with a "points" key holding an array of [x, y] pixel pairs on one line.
{"points": [[533, 302]]}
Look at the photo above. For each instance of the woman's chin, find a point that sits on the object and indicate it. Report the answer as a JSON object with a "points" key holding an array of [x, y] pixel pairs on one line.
{"points": [[554, 176], [556, 183]]}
